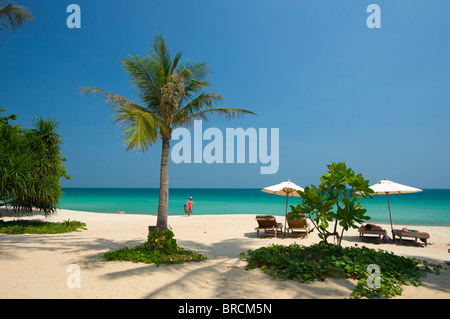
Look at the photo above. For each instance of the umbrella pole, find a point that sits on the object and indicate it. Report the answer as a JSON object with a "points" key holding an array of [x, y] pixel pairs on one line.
{"points": [[390, 217], [285, 215]]}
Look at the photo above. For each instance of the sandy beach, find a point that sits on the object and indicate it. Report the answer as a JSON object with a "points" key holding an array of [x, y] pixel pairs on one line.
{"points": [[36, 266]]}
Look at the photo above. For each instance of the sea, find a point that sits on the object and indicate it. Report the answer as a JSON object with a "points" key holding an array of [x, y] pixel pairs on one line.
{"points": [[429, 207]]}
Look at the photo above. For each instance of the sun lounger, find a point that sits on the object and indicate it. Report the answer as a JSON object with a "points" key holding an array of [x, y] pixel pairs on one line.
{"points": [[268, 223], [423, 236], [371, 229], [298, 226]]}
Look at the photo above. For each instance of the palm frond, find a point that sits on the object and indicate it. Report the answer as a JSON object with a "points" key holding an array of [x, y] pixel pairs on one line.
{"points": [[175, 62], [16, 16], [140, 126], [114, 99], [162, 57], [142, 72], [227, 112], [198, 70], [201, 102], [195, 75]]}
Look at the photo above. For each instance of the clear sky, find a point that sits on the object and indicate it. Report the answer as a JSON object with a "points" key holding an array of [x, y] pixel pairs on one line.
{"points": [[377, 99]]}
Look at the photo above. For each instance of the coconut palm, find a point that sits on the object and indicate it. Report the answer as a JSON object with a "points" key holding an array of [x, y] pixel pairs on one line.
{"points": [[171, 95], [14, 15]]}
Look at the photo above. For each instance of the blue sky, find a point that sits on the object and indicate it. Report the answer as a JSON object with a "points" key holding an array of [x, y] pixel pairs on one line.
{"points": [[377, 99]]}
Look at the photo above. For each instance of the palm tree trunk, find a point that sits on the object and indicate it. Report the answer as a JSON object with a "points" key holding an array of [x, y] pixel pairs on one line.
{"points": [[163, 205]]}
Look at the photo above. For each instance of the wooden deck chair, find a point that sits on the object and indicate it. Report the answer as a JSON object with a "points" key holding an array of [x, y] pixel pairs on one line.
{"points": [[423, 236], [298, 226], [372, 229], [268, 223]]}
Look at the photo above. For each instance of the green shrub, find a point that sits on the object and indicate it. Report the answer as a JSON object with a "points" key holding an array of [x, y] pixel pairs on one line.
{"points": [[31, 165], [38, 227], [337, 198], [160, 248], [319, 261]]}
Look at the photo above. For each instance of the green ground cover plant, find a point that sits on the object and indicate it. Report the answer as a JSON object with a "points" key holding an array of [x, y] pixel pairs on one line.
{"points": [[160, 248], [17, 227], [319, 261]]}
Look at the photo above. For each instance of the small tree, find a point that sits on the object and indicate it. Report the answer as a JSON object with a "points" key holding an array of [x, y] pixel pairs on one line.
{"points": [[340, 189], [30, 165]]}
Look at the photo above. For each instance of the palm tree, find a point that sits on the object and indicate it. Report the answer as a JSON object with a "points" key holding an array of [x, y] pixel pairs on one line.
{"points": [[172, 95], [14, 15]]}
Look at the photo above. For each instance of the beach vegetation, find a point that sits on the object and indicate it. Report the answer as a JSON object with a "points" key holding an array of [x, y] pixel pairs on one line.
{"points": [[320, 261], [31, 165], [336, 199], [13, 16], [160, 248], [171, 94], [16, 227]]}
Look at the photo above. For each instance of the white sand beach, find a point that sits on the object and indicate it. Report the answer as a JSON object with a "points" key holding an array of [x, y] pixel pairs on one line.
{"points": [[35, 266]]}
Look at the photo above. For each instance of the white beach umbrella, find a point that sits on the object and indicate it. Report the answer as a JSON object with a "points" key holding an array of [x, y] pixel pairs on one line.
{"points": [[284, 189], [387, 187]]}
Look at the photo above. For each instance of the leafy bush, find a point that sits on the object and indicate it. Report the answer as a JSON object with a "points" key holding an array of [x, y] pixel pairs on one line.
{"points": [[160, 248], [38, 227], [319, 261], [336, 198], [30, 165]]}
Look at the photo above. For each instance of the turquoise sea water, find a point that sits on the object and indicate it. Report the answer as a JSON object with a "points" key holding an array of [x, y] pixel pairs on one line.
{"points": [[430, 207]]}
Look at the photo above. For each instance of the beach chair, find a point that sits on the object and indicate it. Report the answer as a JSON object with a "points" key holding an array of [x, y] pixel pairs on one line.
{"points": [[298, 226], [268, 223], [423, 236], [371, 229]]}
